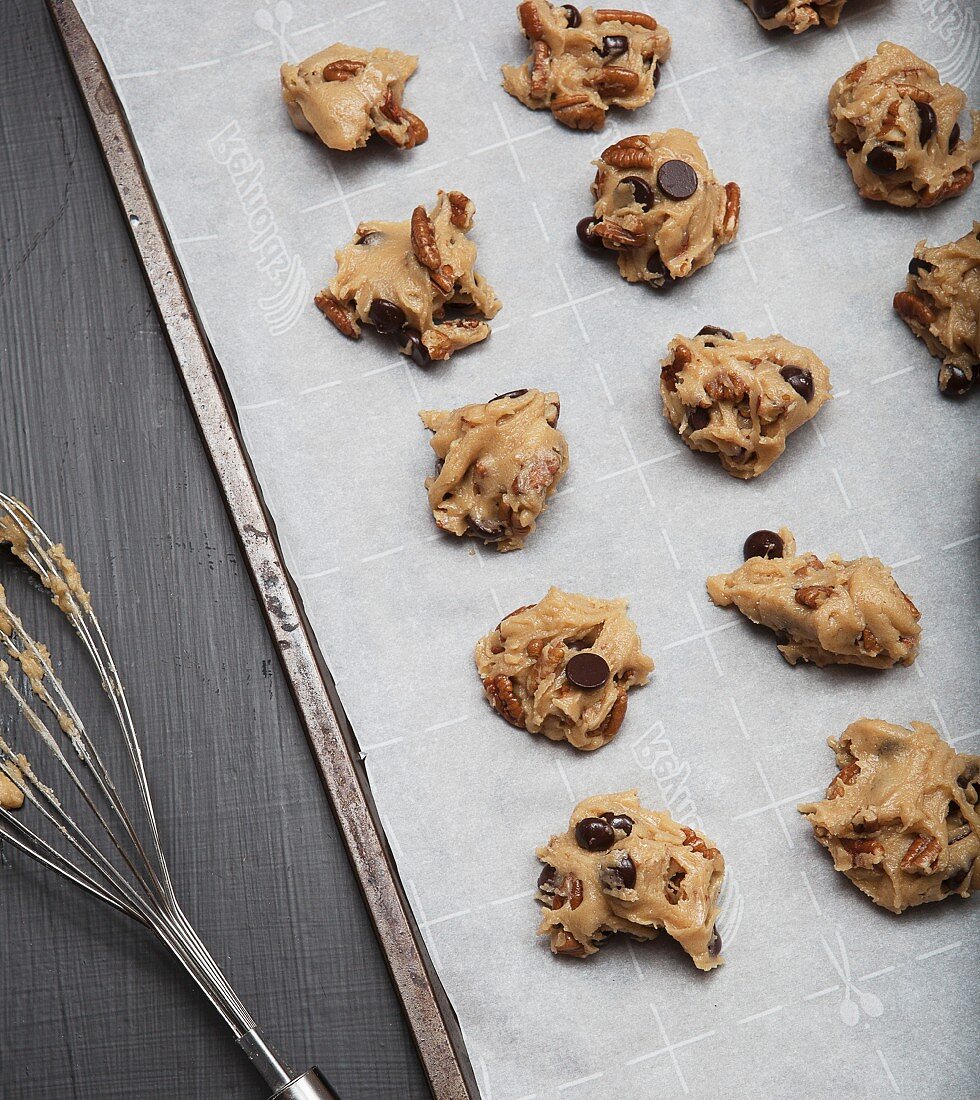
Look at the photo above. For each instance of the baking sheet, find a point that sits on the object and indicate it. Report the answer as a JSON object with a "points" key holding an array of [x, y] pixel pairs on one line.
{"points": [[821, 990]]}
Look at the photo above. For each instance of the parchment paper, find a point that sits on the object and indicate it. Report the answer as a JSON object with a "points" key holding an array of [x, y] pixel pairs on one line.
{"points": [[823, 994]]}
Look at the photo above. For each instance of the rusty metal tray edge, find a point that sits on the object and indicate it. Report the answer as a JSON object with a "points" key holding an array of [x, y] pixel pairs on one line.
{"points": [[426, 1006]]}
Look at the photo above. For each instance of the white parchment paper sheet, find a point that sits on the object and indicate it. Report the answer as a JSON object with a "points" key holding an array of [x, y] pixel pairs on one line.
{"points": [[823, 994]]}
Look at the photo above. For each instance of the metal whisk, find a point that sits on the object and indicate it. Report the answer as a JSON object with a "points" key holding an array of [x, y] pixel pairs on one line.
{"points": [[129, 872]]}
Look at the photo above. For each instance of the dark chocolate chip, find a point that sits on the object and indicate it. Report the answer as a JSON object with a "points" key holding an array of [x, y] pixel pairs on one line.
{"points": [[927, 122], [763, 544], [954, 381], [371, 238], [955, 880], [916, 265], [594, 835], [656, 74], [502, 396], [954, 137], [801, 380], [642, 191], [714, 944], [881, 161], [549, 877], [713, 330], [620, 822], [677, 179], [386, 316], [584, 229], [482, 530], [587, 671], [613, 45], [572, 17], [698, 418], [412, 346], [767, 9], [620, 875], [659, 270]]}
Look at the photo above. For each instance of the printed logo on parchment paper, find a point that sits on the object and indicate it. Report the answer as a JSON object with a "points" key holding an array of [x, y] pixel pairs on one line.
{"points": [[959, 29], [286, 301], [274, 22], [654, 753]]}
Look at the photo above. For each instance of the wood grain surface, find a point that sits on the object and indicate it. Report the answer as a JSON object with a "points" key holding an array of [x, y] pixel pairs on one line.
{"points": [[95, 432]]}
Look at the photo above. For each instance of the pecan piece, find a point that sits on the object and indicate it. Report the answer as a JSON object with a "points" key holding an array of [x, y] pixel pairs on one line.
{"points": [[438, 344], [338, 314], [614, 719], [916, 613], [576, 112], [569, 891], [910, 307], [697, 844], [921, 856], [540, 69], [813, 595], [500, 692], [733, 199], [632, 18], [864, 853], [530, 20], [537, 474], [670, 371], [565, 943], [629, 152], [342, 69], [611, 81], [444, 278], [844, 778], [961, 180], [869, 643], [424, 240], [461, 210], [618, 236], [725, 386]]}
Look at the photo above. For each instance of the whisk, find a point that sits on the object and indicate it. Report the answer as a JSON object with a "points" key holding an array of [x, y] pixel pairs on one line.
{"points": [[125, 867]]}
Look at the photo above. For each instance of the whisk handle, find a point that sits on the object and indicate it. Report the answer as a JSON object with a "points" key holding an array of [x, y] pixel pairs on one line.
{"points": [[308, 1086]]}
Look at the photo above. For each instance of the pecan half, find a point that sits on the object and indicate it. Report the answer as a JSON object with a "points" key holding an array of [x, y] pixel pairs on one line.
{"points": [[632, 18], [697, 844], [612, 81], [500, 692], [338, 314], [844, 778], [921, 856], [576, 112], [424, 240], [530, 20], [540, 69], [614, 719], [342, 69], [813, 595], [864, 853], [733, 201], [726, 386], [461, 210], [614, 235], [629, 152], [910, 307]]}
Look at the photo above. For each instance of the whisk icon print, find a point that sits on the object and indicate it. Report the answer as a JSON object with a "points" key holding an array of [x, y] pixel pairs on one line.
{"points": [[104, 846]]}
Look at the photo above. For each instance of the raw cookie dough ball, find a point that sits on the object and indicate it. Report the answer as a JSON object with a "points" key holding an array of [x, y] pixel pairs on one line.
{"points": [[740, 398], [621, 868], [497, 464], [796, 15], [584, 62], [659, 207], [900, 817], [830, 613], [344, 94], [941, 305], [401, 276], [562, 667], [896, 124]]}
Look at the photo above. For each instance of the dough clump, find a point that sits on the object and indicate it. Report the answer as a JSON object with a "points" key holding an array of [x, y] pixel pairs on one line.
{"points": [[584, 62], [11, 796], [900, 817], [941, 305], [563, 666], [796, 15], [621, 868], [896, 124], [344, 94], [659, 207], [401, 277], [829, 613], [496, 466], [740, 398]]}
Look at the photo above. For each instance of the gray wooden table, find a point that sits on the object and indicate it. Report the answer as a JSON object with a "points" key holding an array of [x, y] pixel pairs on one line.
{"points": [[95, 433]]}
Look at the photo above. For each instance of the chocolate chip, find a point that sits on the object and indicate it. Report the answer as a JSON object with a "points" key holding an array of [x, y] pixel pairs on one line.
{"points": [[762, 544], [386, 316], [549, 877], [955, 880], [620, 875], [503, 396], [697, 418], [620, 822], [482, 530], [916, 265], [613, 45], [587, 671], [659, 270], [594, 835], [584, 229], [412, 346], [801, 380], [767, 9], [677, 179], [712, 330], [656, 74], [642, 191], [572, 17], [954, 381], [881, 161], [927, 122], [714, 944], [954, 137], [369, 239]]}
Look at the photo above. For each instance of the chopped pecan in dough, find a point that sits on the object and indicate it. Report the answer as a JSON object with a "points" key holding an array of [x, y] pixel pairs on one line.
{"points": [[563, 666], [400, 277], [796, 15], [659, 207], [831, 612], [941, 305], [896, 123], [496, 466], [740, 398], [584, 62], [900, 817], [344, 94], [621, 868]]}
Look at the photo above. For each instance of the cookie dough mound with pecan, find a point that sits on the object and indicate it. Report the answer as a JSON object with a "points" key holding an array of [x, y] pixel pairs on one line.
{"points": [[400, 277], [659, 207], [740, 398], [941, 305], [896, 123], [496, 466], [584, 62], [621, 868], [795, 15], [562, 667], [835, 612], [344, 94], [900, 817]]}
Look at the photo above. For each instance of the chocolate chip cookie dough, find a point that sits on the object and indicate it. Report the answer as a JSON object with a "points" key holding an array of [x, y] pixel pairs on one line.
{"points": [[795, 15], [740, 398], [941, 305], [344, 94], [584, 62], [900, 818], [563, 666], [896, 123], [835, 612], [659, 207], [496, 466], [621, 868], [401, 277]]}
